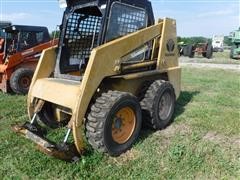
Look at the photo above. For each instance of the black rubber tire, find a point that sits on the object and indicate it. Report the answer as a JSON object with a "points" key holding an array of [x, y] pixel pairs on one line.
{"points": [[191, 52], [17, 76], [99, 122], [204, 54], [209, 52], [150, 105], [216, 50], [46, 115], [185, 51]]}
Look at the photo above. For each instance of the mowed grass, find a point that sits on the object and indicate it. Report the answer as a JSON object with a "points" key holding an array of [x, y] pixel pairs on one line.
{"points": [[202, 143]]}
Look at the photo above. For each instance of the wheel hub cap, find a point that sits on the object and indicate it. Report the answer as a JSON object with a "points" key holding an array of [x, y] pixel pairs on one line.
{"points": [[25, 82], [123, 125], [165, 106]]}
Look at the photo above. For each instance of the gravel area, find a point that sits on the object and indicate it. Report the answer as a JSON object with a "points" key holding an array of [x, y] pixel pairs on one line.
{"points": [[235, 67], [219, 60]]}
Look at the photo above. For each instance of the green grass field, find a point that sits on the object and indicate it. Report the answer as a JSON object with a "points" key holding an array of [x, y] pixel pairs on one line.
{"points": [[202, 143]]}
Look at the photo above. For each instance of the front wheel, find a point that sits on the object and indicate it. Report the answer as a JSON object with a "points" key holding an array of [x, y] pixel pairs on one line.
{"points": [[52, 117], [209, 52], [114, 122]]}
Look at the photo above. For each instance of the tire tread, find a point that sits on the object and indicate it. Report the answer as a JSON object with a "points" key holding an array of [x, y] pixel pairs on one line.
{"points": [[147, 104], [97, 117]]}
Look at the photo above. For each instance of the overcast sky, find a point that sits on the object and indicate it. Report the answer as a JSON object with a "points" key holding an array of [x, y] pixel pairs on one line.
{"points": [[194, 17]]}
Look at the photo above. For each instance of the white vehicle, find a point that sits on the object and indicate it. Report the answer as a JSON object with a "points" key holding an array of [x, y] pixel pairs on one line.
{"points": [[217, 43]]}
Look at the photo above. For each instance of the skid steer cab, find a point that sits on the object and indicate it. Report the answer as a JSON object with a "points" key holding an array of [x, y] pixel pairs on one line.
{"points": [[113, 70], [20, 51]]}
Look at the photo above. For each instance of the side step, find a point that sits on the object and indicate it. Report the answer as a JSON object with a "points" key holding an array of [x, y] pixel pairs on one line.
{"points": [[61, 151]]}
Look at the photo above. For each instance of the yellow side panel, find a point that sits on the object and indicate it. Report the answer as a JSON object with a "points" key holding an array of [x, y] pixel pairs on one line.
{"points": [[168, 54], [174, 76], [44, 69], [168, 51]]}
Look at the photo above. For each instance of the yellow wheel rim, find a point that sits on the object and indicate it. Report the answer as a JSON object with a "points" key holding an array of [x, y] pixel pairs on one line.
{"points": [[123, 125]]}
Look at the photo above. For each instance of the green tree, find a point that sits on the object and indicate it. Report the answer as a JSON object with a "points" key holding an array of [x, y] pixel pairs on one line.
{"points": [[193, 40]]}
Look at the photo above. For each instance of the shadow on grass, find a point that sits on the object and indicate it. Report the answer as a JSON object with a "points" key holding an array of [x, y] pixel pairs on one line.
{"points": [[183, 100]]}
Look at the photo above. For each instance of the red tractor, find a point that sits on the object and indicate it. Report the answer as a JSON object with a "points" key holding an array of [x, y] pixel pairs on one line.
{"points": [[20, 51], [204, 49]]}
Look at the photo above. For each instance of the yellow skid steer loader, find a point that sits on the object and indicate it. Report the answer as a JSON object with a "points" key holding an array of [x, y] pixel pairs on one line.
{"points": [[113, 70]]}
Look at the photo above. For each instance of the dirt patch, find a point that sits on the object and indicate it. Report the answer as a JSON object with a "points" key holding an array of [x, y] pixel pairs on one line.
{"points": [[184, 129], [172, 130], [166, 135], [126, 157], [222, 140]]}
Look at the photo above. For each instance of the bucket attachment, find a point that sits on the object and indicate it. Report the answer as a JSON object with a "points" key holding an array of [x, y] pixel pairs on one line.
{"points": [[35, 133]]}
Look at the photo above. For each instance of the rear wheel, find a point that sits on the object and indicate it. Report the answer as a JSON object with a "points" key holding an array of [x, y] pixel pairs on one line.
{"points": [[204, 54], [209, 52], [20, 80], [114, 122], [158, 104], [191, 52]]}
